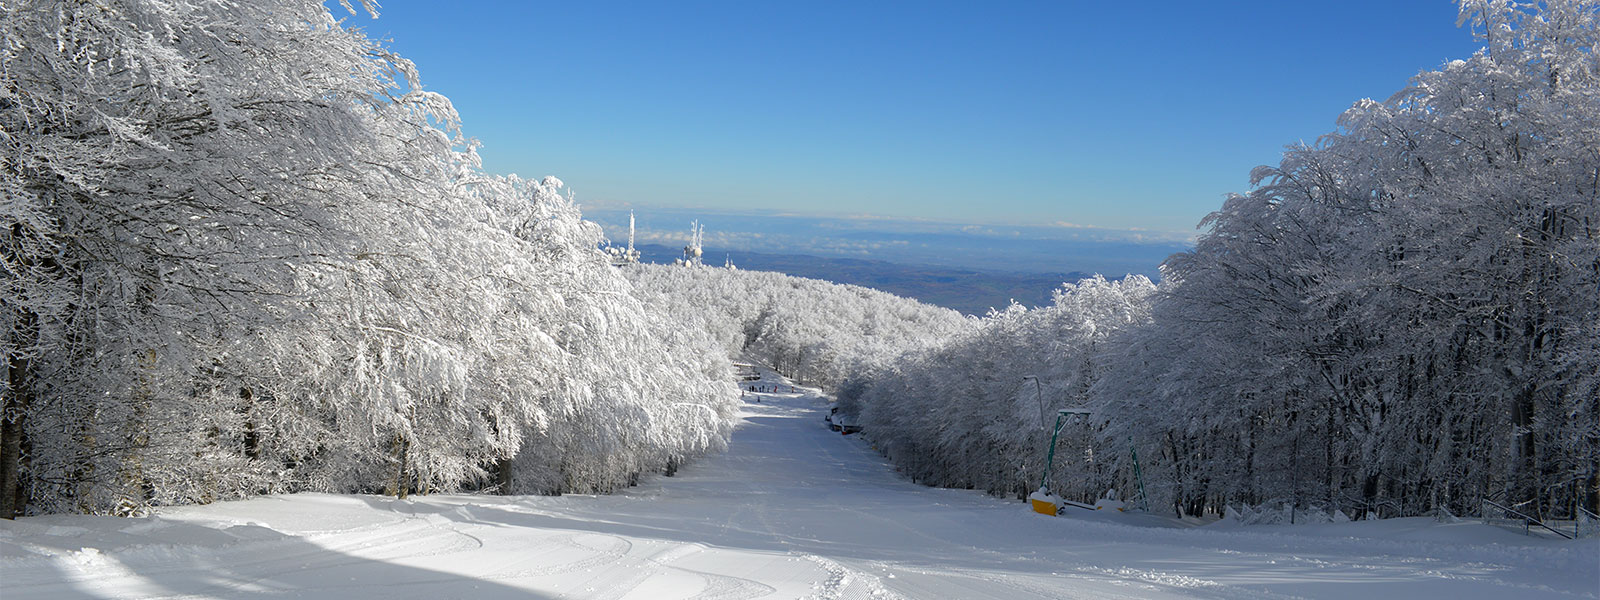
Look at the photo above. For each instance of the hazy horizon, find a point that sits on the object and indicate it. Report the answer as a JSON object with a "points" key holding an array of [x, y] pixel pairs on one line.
{"points": [[994, 247]]}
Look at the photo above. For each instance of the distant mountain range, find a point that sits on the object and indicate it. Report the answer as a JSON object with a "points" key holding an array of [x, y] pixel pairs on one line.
{"points": [[1050, 250], [968, 291]]}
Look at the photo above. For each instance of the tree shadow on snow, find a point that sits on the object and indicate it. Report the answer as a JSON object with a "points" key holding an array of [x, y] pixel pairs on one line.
{"points": [[108, 566]]}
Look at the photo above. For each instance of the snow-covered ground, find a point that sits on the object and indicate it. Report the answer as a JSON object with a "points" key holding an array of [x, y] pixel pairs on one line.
{"points": [[791, 510]]}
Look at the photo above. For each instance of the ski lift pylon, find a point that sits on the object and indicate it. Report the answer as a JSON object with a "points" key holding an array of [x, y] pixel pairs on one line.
{"points": [[1044, 501]]}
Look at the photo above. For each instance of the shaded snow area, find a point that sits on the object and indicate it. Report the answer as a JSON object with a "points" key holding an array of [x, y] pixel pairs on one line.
{"points": [[792, 510]]}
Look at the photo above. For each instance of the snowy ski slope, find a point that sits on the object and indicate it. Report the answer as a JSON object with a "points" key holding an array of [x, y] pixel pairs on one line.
{"points": [[790, 511]]}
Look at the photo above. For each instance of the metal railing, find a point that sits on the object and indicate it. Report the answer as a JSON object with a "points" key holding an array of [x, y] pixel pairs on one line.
{"points": [[1509, 514]]}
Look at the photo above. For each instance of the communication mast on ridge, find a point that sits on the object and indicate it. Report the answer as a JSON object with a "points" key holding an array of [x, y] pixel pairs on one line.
{"points": [[692, 252], [620, 257], [631, 252]]}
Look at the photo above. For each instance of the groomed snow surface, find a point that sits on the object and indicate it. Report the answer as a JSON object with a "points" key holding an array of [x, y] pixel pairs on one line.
{"points": [[792, 510]]}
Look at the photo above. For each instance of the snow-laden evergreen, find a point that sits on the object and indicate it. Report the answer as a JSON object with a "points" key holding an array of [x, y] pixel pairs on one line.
{"points": [[247, 252]]}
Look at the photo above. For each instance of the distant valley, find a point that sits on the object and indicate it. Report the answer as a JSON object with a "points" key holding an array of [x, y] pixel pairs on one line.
{"points": [[969, 268], [968, 291], [1046, 250]]}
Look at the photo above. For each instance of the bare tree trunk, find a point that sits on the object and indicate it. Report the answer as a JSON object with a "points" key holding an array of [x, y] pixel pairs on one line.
{"points": [[1328, 483], [13, 412], [1294, 469], [252, 440], [402, 487], [1591, 492], [1524, 474], [502, 476], [18, 392]]}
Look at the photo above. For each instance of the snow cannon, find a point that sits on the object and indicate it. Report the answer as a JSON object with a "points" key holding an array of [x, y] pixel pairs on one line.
{"points": [[1044, 502], [1110, 501], [1108, 504]]}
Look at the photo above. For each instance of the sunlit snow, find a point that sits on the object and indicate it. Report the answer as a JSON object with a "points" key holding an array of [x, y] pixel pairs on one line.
{"points": [[792, 510]]}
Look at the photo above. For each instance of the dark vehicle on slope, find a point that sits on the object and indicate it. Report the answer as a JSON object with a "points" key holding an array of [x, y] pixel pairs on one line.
{"points": [[840, 422]]}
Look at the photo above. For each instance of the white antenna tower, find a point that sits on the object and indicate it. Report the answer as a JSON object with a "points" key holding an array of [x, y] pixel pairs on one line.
{"points": [[691, 252]]}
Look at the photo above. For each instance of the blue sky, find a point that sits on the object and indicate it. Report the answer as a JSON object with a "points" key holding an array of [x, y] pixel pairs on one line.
{"points": [[1107, 114]]}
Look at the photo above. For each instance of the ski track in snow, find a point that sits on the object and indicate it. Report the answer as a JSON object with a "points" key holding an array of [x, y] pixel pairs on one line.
{"points": [[790, 511]]}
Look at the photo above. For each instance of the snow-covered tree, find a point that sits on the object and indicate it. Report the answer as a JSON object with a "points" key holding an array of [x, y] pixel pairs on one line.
{"points": [[976, 412], [174, 164], [1401, 316], [807, 329], [247, 252]]}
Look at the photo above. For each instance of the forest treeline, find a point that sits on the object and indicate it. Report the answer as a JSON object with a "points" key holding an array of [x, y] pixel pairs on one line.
{"points": [[1401, 318], [810, 330], [246, 252]]}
